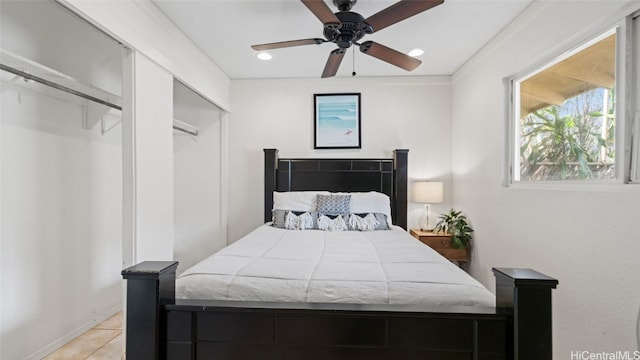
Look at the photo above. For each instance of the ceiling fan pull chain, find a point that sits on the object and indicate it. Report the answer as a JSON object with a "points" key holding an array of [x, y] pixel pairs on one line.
{"points": [[354, 61]]}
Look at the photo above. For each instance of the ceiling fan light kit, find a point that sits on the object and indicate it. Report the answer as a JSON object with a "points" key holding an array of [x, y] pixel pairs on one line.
{"points": [[345, 28]]}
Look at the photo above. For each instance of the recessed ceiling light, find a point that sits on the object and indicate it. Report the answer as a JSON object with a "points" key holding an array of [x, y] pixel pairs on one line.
{"points": [[416, 52], [264, 56]]}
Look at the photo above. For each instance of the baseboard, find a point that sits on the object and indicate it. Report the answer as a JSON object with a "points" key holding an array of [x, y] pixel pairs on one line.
{"points": [[41, 353]]}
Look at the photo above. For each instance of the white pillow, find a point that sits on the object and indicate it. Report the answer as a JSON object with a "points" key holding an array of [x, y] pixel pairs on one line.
{"points": [[371, 202], [296, 200]]}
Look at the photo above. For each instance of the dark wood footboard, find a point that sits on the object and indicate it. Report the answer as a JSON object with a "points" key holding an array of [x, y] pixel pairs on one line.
{"points": [[158, 326]]}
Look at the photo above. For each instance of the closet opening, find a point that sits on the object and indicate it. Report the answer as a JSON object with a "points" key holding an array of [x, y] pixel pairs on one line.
{"points": [[61, 177], [199, 171]]}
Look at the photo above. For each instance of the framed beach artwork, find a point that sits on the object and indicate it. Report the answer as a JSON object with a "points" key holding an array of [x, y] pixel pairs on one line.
{"points": [[337, 121]]}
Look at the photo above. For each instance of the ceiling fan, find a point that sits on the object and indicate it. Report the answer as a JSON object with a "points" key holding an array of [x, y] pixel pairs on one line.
{"points": [[346, 28]]}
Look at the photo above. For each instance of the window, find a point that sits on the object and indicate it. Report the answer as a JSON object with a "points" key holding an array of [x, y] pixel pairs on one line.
{"points": [[576, 120], [565, 116]]}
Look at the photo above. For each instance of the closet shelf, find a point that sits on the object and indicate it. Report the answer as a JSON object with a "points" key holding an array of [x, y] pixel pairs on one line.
{"points": [[185, 127], [32, 70]]}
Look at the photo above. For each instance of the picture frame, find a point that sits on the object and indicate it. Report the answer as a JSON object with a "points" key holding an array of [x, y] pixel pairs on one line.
{"points": [[337, 121]]}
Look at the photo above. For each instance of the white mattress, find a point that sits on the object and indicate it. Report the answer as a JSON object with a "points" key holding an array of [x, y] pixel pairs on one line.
{"points": [[375, 267]]}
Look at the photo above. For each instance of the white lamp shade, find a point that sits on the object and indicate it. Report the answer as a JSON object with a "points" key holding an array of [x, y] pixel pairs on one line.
{"points": [[428, 192]]}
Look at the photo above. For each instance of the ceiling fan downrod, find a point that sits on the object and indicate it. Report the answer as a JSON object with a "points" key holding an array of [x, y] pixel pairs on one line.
{"points": [[344, 5]]}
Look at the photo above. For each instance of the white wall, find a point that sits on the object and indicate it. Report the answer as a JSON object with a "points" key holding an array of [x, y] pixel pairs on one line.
{"points": [[588, 239], [402, 112], [198, 171], [61, 223]]}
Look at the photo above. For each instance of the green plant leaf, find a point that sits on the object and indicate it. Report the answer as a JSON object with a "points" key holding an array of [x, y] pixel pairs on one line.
{"points": [[455, 223]]}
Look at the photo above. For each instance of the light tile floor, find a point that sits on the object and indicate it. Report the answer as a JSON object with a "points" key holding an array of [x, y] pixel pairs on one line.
{"points": [[103, 342]]}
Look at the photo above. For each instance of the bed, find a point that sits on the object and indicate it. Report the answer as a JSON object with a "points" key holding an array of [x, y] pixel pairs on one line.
{"points": [[288, 290]]}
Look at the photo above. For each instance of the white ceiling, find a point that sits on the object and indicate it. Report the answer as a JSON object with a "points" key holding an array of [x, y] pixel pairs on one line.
{"points": [[225, 29]]}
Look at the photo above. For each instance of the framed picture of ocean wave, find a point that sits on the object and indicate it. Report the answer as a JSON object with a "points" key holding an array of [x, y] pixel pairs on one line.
{"points": [[337, 121]]}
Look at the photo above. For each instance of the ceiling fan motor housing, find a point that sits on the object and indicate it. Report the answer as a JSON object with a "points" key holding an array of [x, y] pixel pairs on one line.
{"points": [[352, 29]]}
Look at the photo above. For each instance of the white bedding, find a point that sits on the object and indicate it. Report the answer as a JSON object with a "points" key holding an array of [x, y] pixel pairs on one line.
{"points": [[373, 267]]}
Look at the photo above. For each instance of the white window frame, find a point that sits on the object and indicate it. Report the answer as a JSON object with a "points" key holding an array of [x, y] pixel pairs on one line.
{"points": [[634, 25], [624, 114]]}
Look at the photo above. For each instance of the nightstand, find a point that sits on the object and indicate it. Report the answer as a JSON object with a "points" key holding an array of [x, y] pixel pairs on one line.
{"points": [[441, 243]]}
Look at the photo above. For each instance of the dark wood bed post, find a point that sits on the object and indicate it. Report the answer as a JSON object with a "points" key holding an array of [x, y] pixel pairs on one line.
{"points": [[526, 295], [270, 167], [400, 179], [150, 286]]}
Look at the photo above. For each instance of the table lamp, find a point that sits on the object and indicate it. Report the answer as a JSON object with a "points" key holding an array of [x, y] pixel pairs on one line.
{"points": [[427, 193]]}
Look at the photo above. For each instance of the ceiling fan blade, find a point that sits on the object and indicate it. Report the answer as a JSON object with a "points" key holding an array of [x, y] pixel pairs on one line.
{"points": [[283, 44], [399, 11], [333, 63], [320, 9], [390, 55]]}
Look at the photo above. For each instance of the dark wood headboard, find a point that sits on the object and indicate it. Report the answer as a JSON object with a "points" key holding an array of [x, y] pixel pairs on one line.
{"points": [[388, 176]]}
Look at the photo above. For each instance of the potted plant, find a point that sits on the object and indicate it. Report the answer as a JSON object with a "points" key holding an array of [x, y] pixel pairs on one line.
{"points": [[455, 224]]}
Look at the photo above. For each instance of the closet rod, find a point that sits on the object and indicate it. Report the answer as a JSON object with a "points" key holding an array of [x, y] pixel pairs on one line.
{"points": [[28, 76], [57, 86], [194, 133]]}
